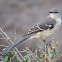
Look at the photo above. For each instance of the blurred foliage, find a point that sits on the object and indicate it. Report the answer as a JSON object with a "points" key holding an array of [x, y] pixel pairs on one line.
{"points": [[52, 55]]}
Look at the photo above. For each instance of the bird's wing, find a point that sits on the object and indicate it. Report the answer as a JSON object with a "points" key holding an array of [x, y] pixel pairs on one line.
{"points": [[48, 23]]}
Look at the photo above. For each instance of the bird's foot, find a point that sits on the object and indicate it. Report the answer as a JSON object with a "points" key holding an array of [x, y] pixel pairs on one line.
{"points": [[44, 41]]}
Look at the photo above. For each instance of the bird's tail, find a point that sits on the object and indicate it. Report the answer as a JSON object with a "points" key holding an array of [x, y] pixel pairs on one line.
{"points": [[6, 50]]}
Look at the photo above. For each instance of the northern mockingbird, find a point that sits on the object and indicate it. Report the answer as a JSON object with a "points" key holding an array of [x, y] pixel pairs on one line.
{"points": [[42, 30]]}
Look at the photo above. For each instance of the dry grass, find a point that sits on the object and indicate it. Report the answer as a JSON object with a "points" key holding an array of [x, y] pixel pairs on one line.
{"points": [[48, 53]]}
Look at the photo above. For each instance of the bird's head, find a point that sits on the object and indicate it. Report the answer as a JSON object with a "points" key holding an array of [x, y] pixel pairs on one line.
{"points": [[55, 13]]}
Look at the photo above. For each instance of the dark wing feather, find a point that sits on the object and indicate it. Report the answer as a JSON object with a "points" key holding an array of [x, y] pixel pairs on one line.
{"points": [[35, 29], [48, 23]]}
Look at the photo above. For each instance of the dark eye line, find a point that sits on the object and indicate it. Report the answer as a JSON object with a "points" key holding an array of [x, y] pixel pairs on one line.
{"points": [[53, 12]]}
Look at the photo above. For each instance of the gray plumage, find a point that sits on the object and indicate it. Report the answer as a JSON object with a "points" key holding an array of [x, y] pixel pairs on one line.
{"points": [[48, 23], [55, 10]]}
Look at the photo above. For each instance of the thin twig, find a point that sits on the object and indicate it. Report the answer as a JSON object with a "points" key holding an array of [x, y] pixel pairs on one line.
{"points": [[10, 43], [3, 46]]}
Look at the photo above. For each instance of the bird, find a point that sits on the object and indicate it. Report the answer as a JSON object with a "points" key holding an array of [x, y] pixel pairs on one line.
{"points": [[43, 30]]}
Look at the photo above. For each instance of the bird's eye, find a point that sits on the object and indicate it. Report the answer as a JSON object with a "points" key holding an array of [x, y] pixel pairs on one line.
{"points": [[55, 12], [50, 12]]}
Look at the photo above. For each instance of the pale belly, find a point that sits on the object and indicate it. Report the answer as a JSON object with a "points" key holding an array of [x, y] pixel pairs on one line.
{"points": [[47, 33]]}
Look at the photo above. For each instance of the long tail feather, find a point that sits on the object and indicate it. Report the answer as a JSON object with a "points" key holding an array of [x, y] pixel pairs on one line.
{"points": [[6, 50]]}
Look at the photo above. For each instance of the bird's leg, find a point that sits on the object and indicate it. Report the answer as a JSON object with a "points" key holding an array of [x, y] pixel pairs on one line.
{"points": [[44, 41], [50, 44]]}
